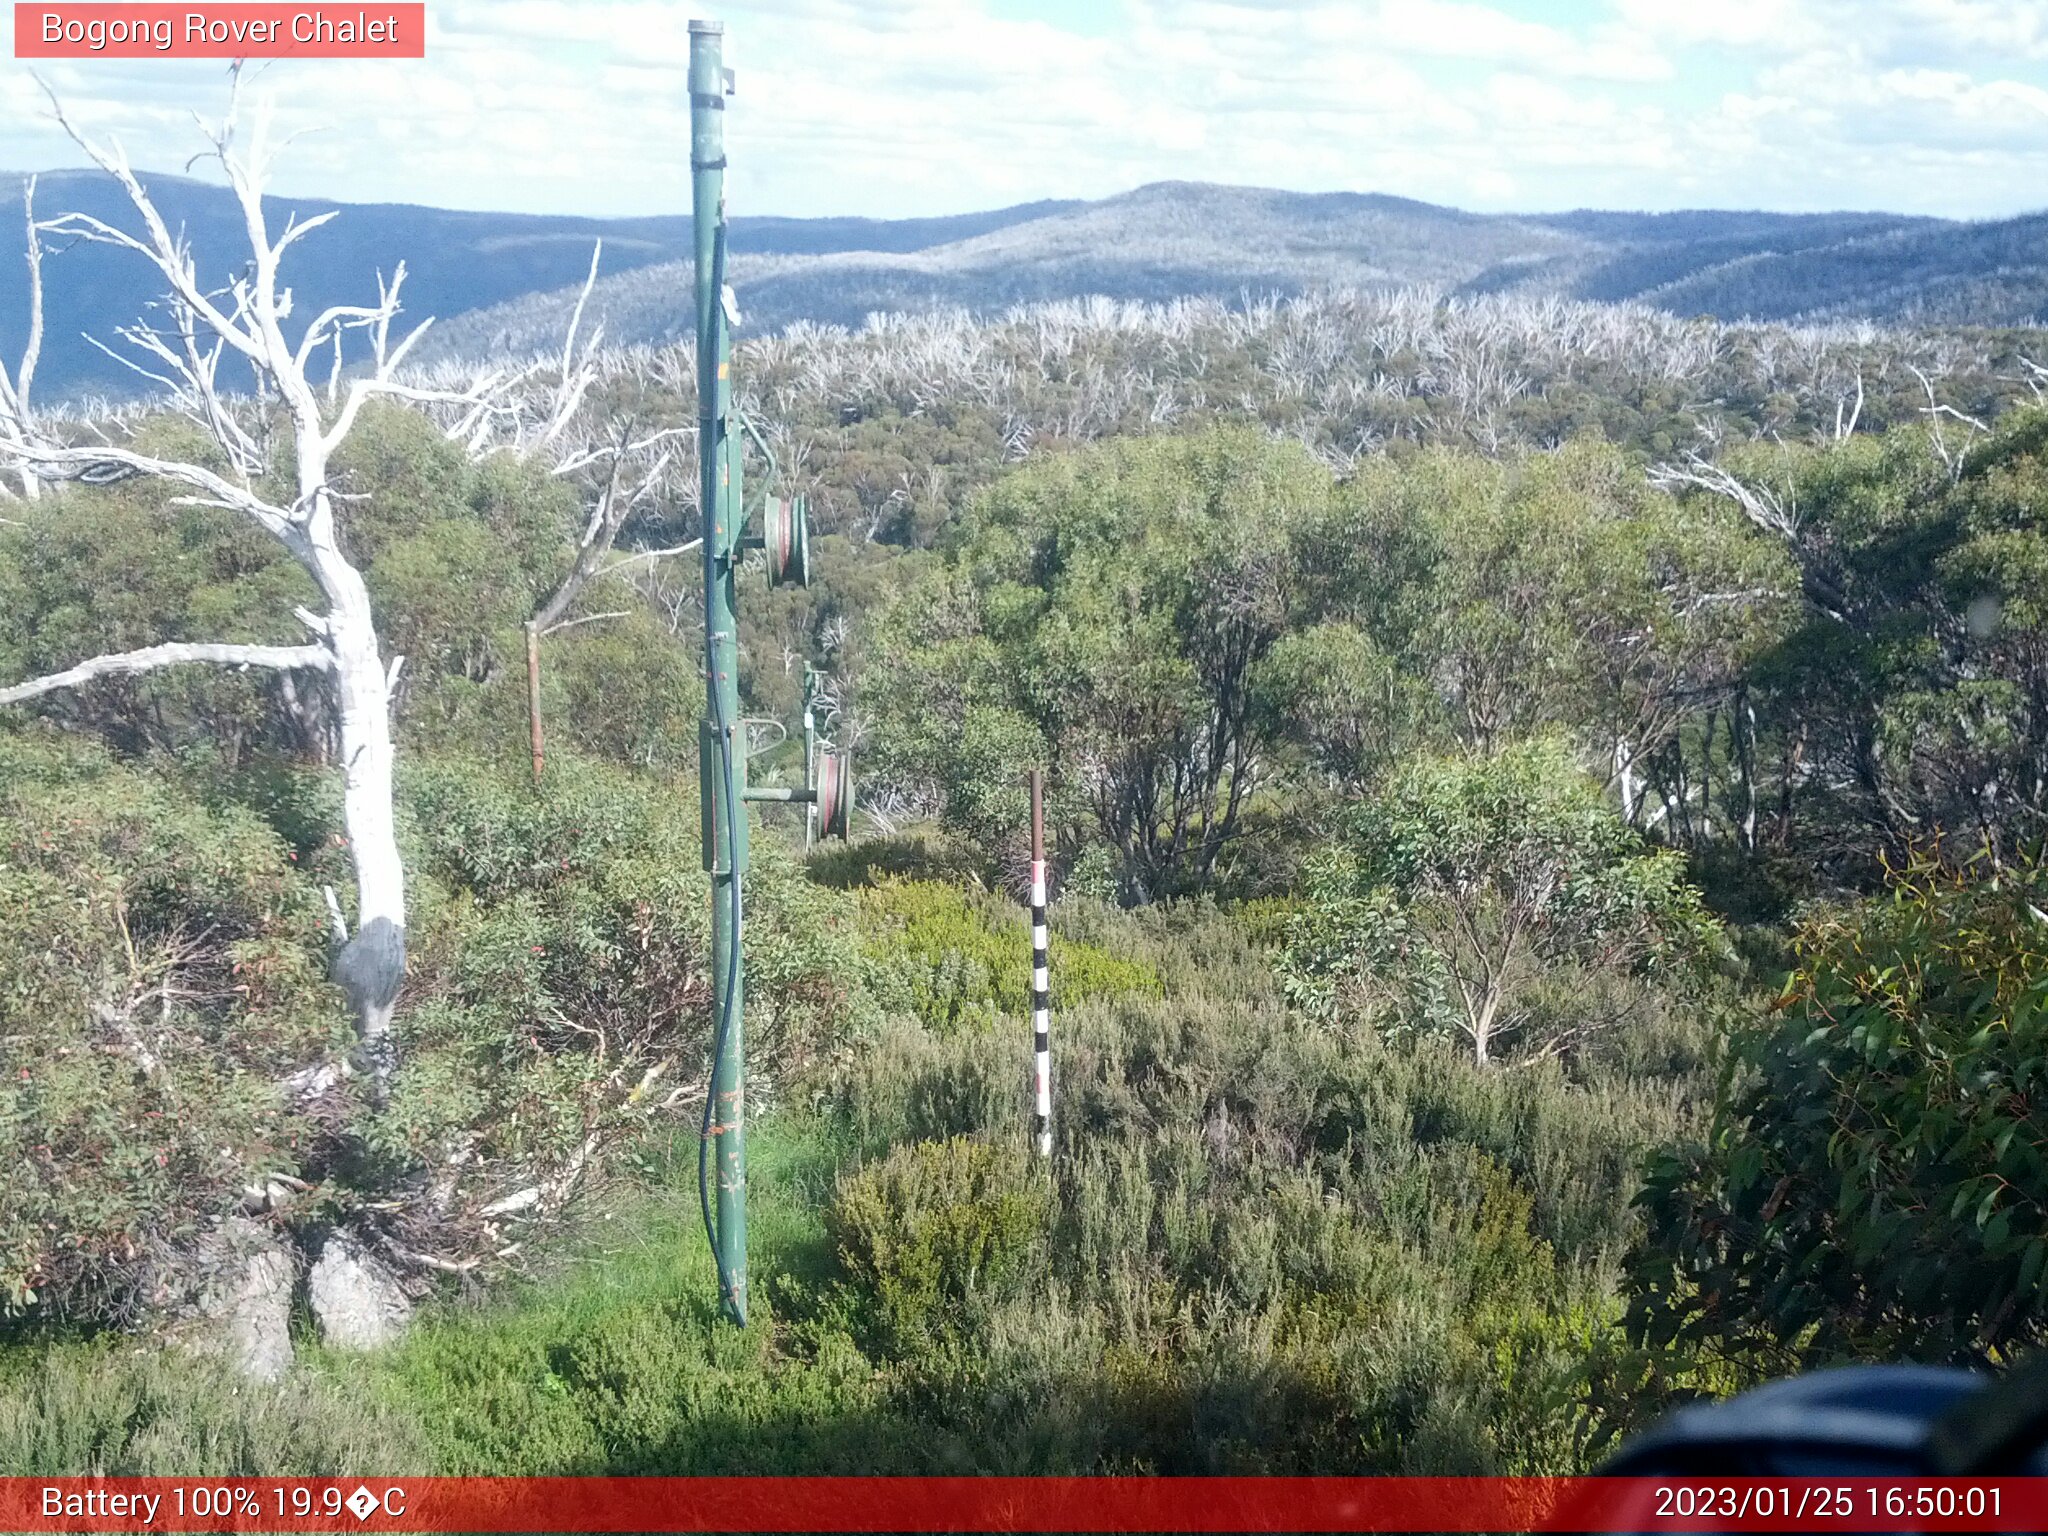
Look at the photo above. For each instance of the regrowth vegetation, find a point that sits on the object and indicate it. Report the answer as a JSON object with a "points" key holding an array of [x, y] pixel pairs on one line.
{"points": [[1455, 732]]}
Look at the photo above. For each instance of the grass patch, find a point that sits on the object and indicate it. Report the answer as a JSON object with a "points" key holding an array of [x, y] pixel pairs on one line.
{"points": [[615, 1362]]}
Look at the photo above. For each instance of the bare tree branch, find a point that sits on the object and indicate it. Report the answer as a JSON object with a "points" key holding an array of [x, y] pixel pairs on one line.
{"points": [[624, 561], [155, 657], [616, 497], [588, 618], [1934, 410], [169, 255], [95, 465], [576, 377], [1770, 511]]}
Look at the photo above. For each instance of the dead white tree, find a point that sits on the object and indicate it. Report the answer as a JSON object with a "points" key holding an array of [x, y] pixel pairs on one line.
{"points": [[245, 321], [16, 424], [2035, 377], [1952, 459], [1774, 510], [1846, 416], [619, 469]]}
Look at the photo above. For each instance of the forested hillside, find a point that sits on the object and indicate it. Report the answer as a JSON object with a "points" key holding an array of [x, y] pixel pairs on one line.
{"points": [[1471, 726], [1179, 240], [506, 283], [458, 260]]}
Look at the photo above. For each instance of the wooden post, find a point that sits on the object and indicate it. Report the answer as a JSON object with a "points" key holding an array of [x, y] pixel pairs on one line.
{"points": [[1041, 1004], [533, 694]]}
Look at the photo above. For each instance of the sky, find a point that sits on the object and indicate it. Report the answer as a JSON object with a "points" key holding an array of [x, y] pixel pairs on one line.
{"points": [[894, 108]]}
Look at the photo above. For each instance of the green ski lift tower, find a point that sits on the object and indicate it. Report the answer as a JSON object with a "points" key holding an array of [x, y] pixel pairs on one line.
{"points": [[784, 540]]}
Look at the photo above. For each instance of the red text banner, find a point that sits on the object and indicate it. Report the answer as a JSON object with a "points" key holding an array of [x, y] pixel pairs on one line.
{"points": [[239, 29], [1109, 1504]]}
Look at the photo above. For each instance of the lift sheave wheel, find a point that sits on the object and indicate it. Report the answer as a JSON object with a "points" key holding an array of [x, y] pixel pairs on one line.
{"points": [[786, 538], [835, 794]]}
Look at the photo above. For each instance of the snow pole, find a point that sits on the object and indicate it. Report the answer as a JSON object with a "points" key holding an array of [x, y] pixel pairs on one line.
{"points": [[1041, 977]]}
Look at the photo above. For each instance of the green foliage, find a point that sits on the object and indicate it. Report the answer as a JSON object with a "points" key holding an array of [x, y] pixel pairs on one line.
{"points": [[1266, 919], [935, 1229], [625, 690], [1102, 612], [116, 570], [967, 960], [109, 1412], [1870, 1186], [1491, 896], [1551, 590], [433, 522], [1193, 627], [563, 953], [1275, 1250], [1907, 694], [157, 977], [1350, 704], [923, 855]]}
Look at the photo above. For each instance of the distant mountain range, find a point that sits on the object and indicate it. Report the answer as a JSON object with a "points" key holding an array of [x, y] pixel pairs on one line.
{"points": [[505, 281]]}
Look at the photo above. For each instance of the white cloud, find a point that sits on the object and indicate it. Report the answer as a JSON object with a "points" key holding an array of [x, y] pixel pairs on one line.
{"points": [[1767, 25], [1455, 29], [895, 107]]}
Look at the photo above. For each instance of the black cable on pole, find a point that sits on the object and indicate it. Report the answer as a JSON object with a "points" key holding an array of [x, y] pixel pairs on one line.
{"points": [[725, 1017], [721, 727]]}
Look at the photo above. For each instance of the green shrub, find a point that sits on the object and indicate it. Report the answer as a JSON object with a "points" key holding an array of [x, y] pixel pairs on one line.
{"points": [[562, 952], [967, 958], [934, 1228], [1475, 894], [159, 974], [163, 958], [102, 1411], [921, 855], [1872, 1182], [1266, 919], [912, 1085]]}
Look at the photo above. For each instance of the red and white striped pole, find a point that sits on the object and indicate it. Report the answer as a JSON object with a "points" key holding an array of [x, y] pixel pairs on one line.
{"points": [[1041, 1002]]}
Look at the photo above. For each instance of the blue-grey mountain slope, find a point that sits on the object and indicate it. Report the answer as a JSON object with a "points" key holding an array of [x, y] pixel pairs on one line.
{"points": [[504, 282]]}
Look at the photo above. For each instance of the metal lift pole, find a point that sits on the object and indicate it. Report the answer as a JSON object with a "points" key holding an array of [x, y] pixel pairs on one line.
{"points": [[721, 742]]}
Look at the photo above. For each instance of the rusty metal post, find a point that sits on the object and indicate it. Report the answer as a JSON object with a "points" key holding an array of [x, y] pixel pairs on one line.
{"points": [[533, 696], [810, 759]]}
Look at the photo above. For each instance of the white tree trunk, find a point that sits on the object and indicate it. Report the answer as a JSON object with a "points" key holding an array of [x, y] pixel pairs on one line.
{"points": [[1625, 776], [370, 966], [246, 319]]}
